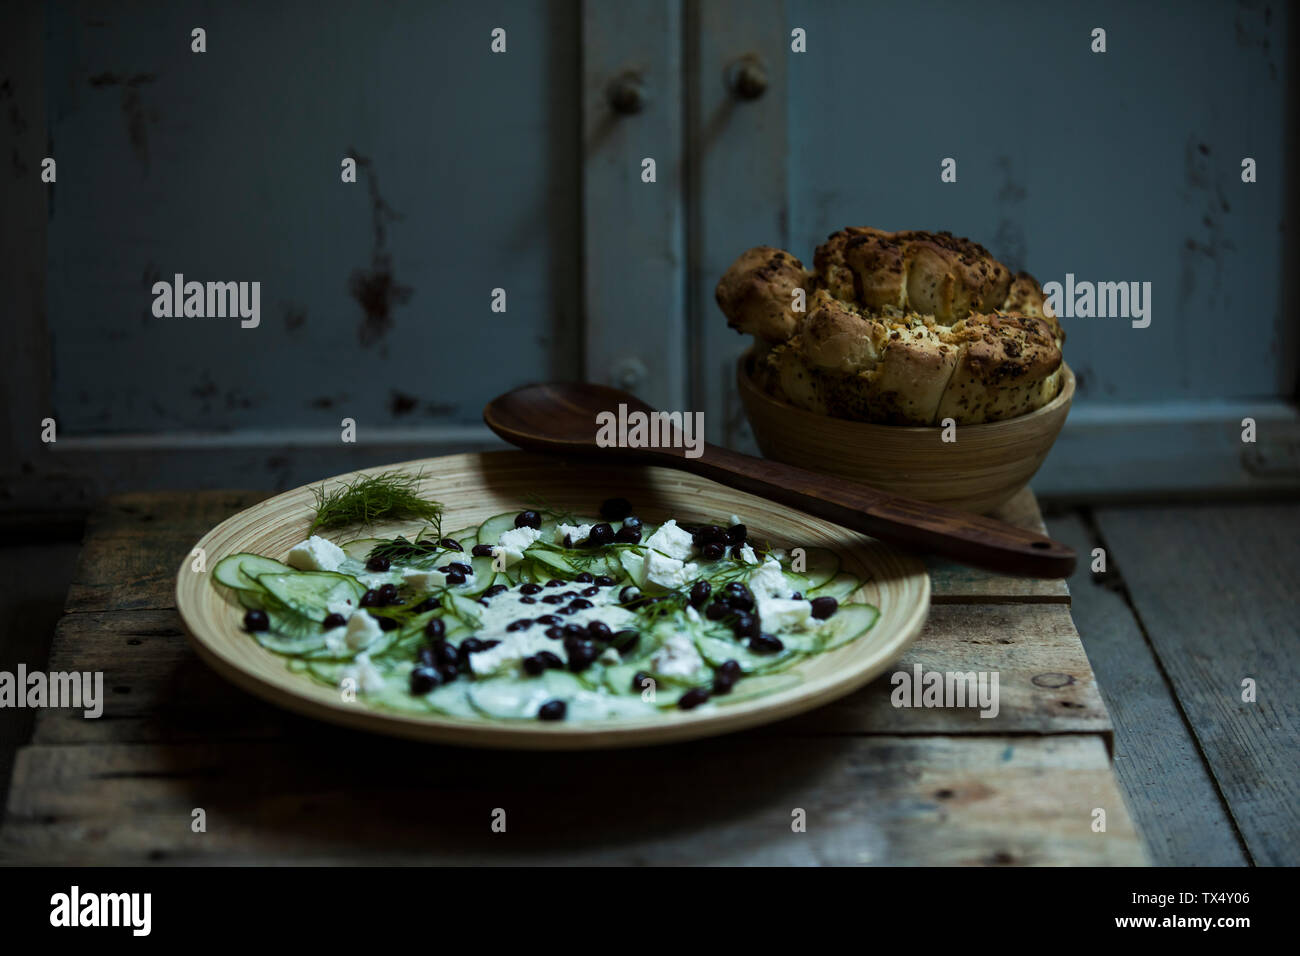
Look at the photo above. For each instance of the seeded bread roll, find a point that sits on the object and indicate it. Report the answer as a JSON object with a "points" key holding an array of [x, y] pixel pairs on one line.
{"points": [[904, 328], [756, 293]]}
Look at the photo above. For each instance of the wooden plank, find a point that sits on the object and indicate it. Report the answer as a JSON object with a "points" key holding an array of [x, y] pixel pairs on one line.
{"points": [[955, 583], [157, 689], [1214, 588], [1161, 771], [634, 231], [135, 542], [341, 797]]}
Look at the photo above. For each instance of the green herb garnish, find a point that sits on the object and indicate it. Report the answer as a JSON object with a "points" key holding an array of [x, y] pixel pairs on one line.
{"points": [[391, 494]]}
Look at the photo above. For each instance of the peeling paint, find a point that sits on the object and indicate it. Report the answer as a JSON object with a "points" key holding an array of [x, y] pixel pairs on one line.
{"points": [[376, 289], [132, 108]]}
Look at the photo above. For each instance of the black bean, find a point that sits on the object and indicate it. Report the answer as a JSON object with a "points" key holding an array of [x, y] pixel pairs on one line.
{"points": [[601, 534], [388, 623], [471, 645], [628, 535], [554, 633], [712, 551], [553, 599], [426, 657], [574, 630], [710, 534], [481, 551], [745, 625], [615, 509], [533, 665], [388, 593], [455, 577], [628, 594], [529, 588], [528, 519], [378, 563], [765, 644], [599, 631], [717, 611], [446, 653], [626, 641], [462, 568], [449, 671], [549, 619], [552, 710], [604, 580], [723, 684], [488, 645], [333, 620], [796, 596], [692, 698], [585, 577], [520, 625], [581, 655], [495, 589], [450, 544], [527, 600], [570, 609], [256, 620], [428, 604], [700, 592], [568, 541], [552, 661], [591, 591], [639, 681], [736, 534], [632, 522], [731, 669], [424, 679], [569, 594], [436, 629], [824, 607], [371, 599], [553, 583], [581, 604]]}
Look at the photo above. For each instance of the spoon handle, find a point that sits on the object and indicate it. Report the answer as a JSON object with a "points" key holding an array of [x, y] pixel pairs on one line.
{"points": [[921, 526]]}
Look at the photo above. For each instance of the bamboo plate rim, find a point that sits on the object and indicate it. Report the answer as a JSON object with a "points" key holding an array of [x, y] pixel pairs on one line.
{"points": [[1063, 397], [212, 619]]}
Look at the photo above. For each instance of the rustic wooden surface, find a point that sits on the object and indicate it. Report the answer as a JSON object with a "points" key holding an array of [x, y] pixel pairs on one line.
{"points": [[878, 784], [1215, 592]]}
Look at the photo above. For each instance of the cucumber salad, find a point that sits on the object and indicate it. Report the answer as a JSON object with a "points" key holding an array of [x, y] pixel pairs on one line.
{"points": [[542, 615]]}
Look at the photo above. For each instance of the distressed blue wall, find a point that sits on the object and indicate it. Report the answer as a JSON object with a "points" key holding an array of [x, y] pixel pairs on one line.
{"points": [[1115, 166], [225, 166]]}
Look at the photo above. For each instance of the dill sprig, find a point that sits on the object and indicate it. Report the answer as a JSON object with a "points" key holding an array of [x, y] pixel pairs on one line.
{"points": [[390, 494]]}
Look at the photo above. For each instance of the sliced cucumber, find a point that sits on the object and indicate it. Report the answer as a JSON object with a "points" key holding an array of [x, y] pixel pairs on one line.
{"points": [[490, 531], [360, 548], [310, 593], [820, 566], [718, 649], [553, 561], [240, 571], [850, 622], [508, 698], [452, 699], [838, 587]]}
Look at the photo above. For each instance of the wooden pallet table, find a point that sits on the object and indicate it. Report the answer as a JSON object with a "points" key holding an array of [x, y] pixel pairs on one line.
{"points": [[873, 784]]}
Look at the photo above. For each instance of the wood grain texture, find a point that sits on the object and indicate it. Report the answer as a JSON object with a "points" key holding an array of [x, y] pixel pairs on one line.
{"points": [[1173, 798], [1215, 591], [344, 797], [596, 422], [983, 468], [475, 487]]}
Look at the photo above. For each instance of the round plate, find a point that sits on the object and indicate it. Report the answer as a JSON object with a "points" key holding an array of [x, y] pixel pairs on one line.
{"points": [[475, 487]]}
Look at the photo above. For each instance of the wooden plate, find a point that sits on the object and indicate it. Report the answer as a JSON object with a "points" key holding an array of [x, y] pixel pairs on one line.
{"points": [[477, 486]]}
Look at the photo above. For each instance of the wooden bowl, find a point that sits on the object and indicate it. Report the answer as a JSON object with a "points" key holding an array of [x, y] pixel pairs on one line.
{"points": [[476, 486], [983, 468]]}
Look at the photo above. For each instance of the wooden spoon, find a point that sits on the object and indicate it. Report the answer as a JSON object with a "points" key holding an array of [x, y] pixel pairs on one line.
{"points": [[562, 418]]}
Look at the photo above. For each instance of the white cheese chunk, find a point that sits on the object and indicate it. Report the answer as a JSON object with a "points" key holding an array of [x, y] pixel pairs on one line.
{"points": [[677, 657], [783, 614], [574, 534], [344, 608], [424, 580], [669, 573], [362, 631], [747, 555], [671, 540], [514, 542], [769, 580], [316, 554]]}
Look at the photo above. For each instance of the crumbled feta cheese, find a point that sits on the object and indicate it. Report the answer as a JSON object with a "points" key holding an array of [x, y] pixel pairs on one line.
{"points": [[345, 608], [677, 657], [423, 580], [316, 554], [668, 573], [780, 613], [671, 540], [574, 534], [514, 542], [336, 640], [735, 520], [365, 676], [747, 555], [769, 580], [362, 631]]}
